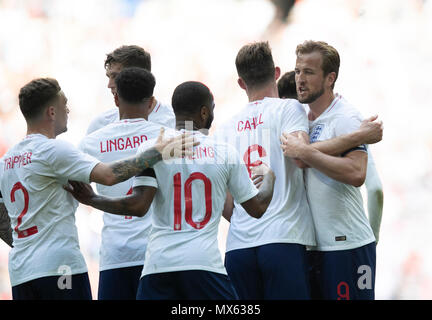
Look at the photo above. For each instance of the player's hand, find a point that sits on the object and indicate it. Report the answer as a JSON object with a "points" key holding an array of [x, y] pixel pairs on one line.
{"points": [[83, 192], [300, 164], [175, 147], [258, 173], [372, 130], [292, 145]]}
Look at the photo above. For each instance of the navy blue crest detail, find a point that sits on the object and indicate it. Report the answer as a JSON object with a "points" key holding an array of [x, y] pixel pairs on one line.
{"points": [[316, 132]]}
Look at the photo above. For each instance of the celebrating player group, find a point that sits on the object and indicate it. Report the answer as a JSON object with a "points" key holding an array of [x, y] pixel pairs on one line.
{"points": [[285, 171]]}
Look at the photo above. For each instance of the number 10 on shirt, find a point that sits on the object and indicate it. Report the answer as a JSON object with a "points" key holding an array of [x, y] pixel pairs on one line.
{"points": [[188, 200]]}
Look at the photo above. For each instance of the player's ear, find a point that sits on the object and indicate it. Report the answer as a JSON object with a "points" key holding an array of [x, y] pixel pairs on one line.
{"points": [[50, 111], [116, 99], [204, 112], [151, 101], [241, 83], [331, 78], [277, 73]]}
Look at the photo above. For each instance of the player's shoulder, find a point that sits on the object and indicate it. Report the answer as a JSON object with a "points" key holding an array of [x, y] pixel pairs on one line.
{"points": [[41, 143], [279, 108], [59, 145], [150, 125], [162, 107], [345, 109], [168, 133], [284, 103], [103, 119], [102, 131], [221, 147], [108, 114], [50, 149]]}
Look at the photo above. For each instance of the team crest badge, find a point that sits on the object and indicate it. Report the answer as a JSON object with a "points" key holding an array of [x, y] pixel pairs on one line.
{"points": [[316, 132]]}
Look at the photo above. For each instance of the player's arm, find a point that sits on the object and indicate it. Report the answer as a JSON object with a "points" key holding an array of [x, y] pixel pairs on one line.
{"points": [[264, 181], [136, 204], [5, 226], [349, 169], [164, 148], [369, 132], [305, 138], [257, 205], [228, 207], [375, 199]]}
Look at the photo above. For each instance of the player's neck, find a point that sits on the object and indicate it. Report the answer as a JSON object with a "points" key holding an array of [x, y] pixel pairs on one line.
{"points": [[48, 132], [186, 123], [320, 105], [133, 112], [269, 91]]}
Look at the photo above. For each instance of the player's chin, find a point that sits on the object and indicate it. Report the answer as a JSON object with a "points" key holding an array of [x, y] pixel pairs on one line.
{"points": [[305, 98], [302, 97]]}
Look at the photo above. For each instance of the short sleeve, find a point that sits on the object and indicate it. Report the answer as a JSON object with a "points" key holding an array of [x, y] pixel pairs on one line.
{"points": [[346, 125], [293, 117], [147, 178], [240, 185], [71, 163]]}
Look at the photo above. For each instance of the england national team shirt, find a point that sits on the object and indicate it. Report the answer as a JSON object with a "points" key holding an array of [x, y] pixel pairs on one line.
{"points": [[124, 238], [255, 132], [162, 114], [42, 213], [337, 208], [188, 206]]}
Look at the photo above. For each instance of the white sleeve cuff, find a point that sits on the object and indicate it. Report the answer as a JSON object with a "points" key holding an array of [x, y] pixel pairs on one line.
{"points": [[145, 181]]}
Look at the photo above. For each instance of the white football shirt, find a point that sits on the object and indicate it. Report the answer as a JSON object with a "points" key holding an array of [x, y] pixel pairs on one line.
{"points": [[337, 208], [124, 238], [43, 213], [162, 114], [188, 206], [255, 132]]}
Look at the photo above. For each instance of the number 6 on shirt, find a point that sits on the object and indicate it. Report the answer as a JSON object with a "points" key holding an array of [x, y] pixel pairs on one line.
{"points": [[188, 200]]}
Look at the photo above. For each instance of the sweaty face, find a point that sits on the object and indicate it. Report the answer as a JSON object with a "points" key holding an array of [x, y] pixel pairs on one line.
{"points": [[62, 111], [112, 71], [309, 77]]}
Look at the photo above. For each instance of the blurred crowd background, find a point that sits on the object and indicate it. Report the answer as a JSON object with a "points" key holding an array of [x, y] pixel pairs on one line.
{"points": [[386, 65]]}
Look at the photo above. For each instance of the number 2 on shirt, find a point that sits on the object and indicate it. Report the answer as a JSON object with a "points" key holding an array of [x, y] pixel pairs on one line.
{"points": [[188, 200], [32, 230]]}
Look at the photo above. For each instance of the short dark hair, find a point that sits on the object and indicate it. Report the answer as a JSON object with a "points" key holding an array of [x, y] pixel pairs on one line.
{"points": [[129, 56], [287, 86], [254, 63], [330, 56], [36, 95], [190, 96], [135, 84]]}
